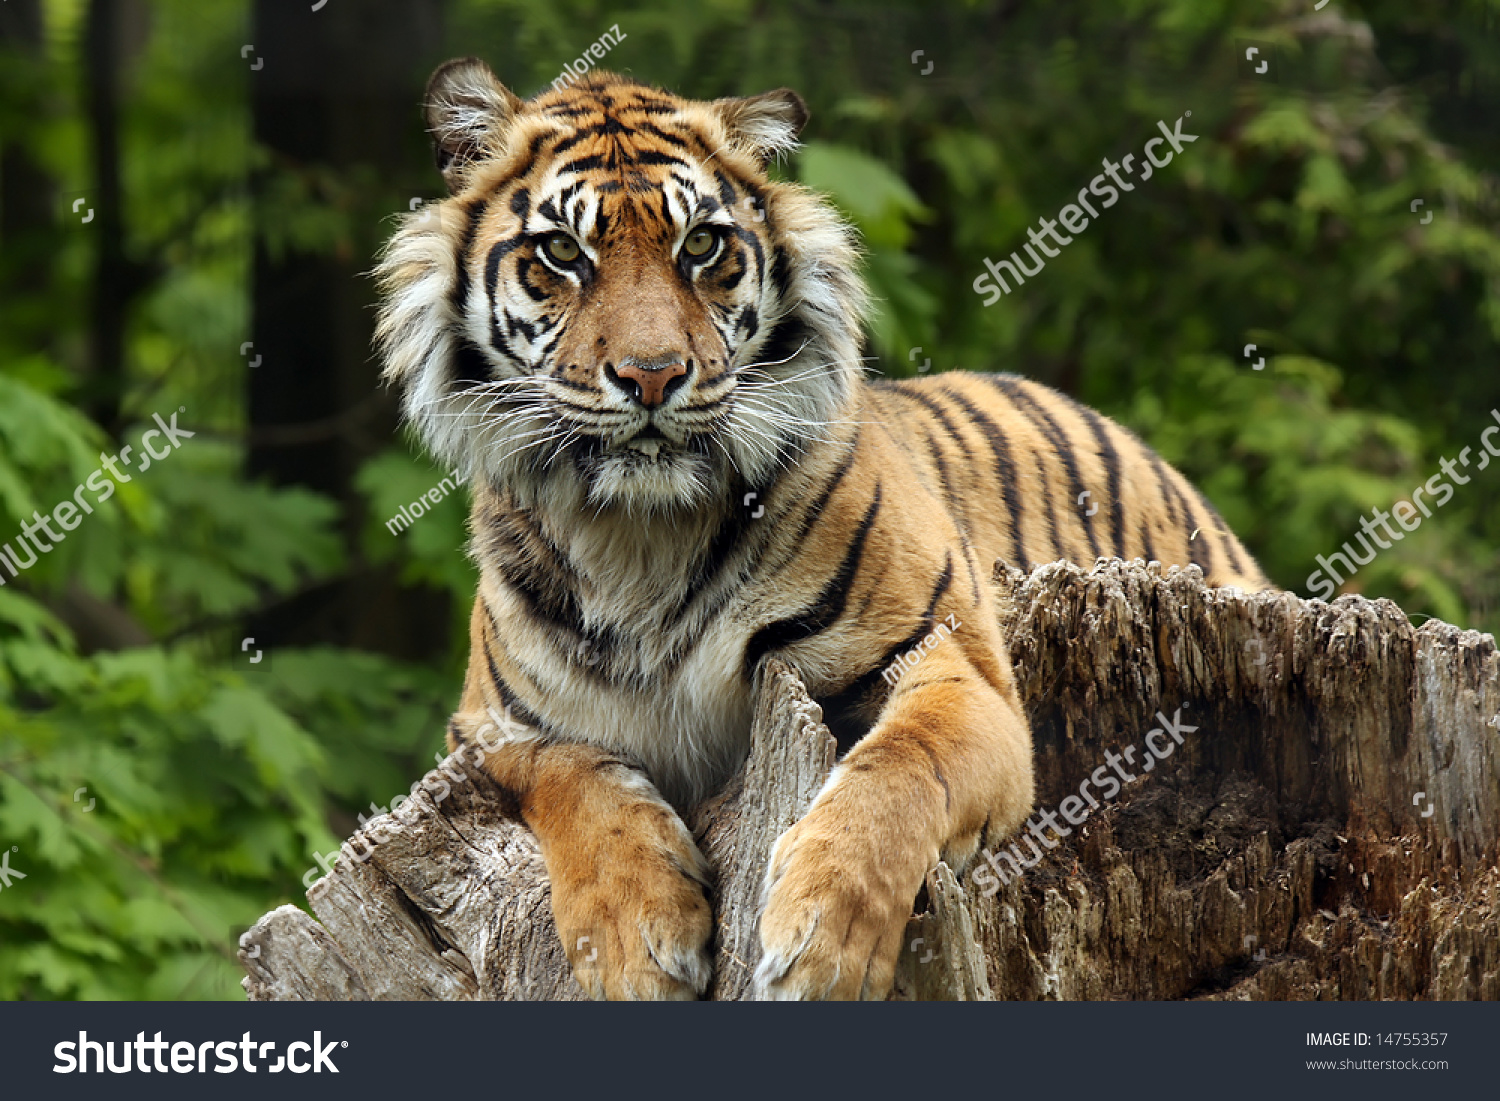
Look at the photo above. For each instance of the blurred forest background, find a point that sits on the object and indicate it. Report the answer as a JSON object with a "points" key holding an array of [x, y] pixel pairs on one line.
{"points": [[192, 193]]}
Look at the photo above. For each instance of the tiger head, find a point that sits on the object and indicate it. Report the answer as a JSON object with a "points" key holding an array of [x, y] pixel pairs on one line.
{"points": [[616, 308]]}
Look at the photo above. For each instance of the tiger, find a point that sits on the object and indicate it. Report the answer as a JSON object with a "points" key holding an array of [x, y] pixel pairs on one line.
{"points": [[644, 353]]}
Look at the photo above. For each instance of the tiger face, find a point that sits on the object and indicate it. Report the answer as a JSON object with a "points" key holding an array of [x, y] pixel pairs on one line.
{"points": [[616, 308]]}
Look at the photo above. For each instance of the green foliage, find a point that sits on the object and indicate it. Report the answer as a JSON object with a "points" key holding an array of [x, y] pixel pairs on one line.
{"points": [[160, 793], [206, 784], [201, 789]]}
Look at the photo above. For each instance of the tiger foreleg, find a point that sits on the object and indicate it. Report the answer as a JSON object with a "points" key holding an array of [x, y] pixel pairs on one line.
{"points": [[628, 884], [949, 758]]}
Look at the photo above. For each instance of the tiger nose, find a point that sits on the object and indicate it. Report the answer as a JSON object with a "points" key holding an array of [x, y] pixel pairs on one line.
{"points": [[648, 385]]}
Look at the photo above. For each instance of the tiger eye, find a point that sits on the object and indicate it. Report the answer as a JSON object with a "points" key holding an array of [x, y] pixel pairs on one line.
{"points": [[562, 248], [699, 243]]}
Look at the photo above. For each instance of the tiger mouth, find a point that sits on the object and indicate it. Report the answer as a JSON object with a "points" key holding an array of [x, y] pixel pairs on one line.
{"points": [[650, 443]]}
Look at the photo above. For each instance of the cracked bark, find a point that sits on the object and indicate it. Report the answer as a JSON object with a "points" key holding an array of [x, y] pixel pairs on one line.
{"points": [[1329, 830]]}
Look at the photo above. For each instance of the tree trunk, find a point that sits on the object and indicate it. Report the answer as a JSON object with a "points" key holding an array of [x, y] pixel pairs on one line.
{"points": [[1326, 827], [336, 104], [117, 279], [25, 188]]}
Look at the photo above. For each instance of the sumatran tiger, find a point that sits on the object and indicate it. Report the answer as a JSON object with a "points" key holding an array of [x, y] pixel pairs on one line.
{"points": [[645, 355]]}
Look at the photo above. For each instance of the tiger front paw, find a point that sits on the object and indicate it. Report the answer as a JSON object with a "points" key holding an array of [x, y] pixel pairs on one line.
{"points": [[632, 910], [837, 903]]}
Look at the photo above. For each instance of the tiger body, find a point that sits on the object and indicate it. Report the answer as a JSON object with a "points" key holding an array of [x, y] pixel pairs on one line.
{"points": [[645, 355]]}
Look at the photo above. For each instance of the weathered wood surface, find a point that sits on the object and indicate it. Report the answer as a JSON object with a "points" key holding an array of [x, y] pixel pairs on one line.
{"points": [[1330, 830]]}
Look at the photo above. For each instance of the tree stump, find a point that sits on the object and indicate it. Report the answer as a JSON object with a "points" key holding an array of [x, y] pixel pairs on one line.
{"points": [[1327, 831]]}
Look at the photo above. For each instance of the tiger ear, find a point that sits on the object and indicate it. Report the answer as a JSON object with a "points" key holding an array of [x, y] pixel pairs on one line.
{"points": [[468, 112], [764, 126]]}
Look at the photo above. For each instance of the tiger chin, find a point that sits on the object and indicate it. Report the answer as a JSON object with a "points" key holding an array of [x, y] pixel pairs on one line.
{"points": [[644, 353]]}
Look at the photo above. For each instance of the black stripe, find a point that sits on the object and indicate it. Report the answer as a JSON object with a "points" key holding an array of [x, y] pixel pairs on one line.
{"points": [[963, 537], [545, 602], [726, 540], [469, 367], [731, 536], [810, 515], [555, 606], [524, 268], [781, 271], [536, 143], [533, 568], [1164, 486], [1150, 551], [520, 325], [955, 503], [1111, 460], [589, 164], [1182, 517], [815, 510], [713, 563], [1226, 538], [823, 612], [661, 135], [731, 280], [460, 296], [510, 703], [752, 242], [788, 338], [1012, 387], [1196, 530], [847, 712], [1058, 553], [726, 189], [652, 156], [580, 135], [456, 737], [950, 498], [1005, 471], [498, 251]]}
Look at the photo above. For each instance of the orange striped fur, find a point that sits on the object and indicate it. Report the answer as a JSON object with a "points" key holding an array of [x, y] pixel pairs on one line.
{"points": [[644, 354]]}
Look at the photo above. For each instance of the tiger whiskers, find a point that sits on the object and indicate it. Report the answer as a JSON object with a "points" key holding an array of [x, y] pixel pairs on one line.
{"points": [[536, 438], [819, 370], [479, 393]]}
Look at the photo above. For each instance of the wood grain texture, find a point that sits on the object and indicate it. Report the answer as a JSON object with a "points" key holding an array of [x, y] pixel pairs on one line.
{"points": [[1330, 830]]}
